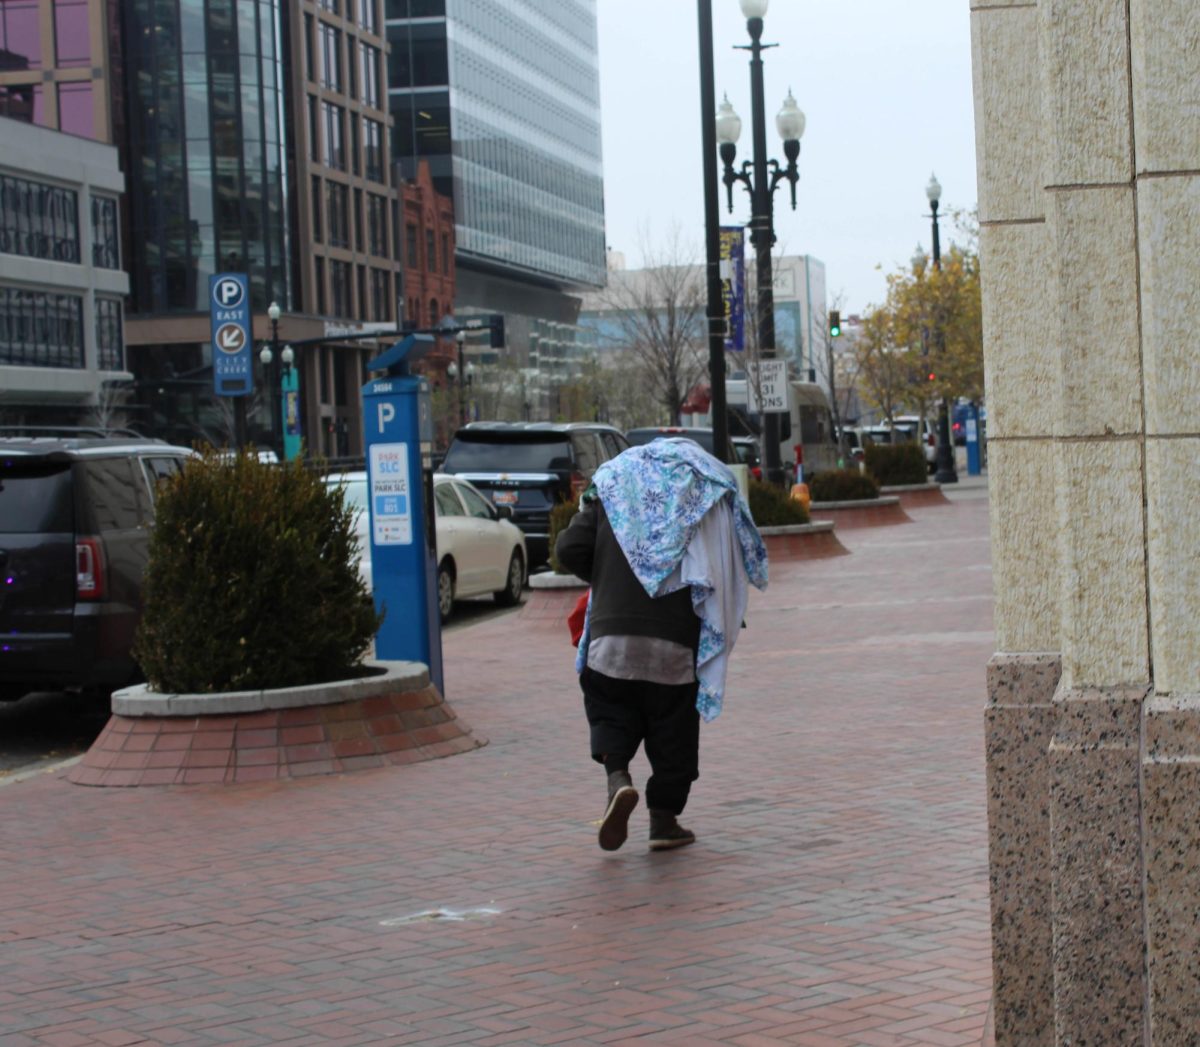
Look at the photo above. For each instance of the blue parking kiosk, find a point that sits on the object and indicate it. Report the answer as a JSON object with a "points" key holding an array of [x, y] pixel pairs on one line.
{"points": [[398, 432], [974, 465]]}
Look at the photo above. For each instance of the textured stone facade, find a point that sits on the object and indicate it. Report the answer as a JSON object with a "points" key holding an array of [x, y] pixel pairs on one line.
{"points": [[1088, 142]]}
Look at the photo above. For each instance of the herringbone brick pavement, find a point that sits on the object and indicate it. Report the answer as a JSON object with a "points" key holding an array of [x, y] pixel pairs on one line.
{"points": [[837, 896]]}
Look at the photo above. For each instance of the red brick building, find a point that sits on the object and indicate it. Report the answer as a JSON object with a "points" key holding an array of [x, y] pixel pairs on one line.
{"points": [[427, 244]]}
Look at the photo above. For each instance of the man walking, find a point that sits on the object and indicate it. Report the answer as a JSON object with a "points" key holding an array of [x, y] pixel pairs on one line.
{"points": [[668, 547]]}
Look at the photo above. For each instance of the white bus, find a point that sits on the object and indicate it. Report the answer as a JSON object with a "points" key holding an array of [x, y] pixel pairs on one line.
{"points": [[807, 443]]}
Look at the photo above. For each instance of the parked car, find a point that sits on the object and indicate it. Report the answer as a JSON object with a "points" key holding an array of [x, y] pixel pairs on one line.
{"points": [[926, 432], [75, 519], [530, 467], [742, 449], [480, 551]]}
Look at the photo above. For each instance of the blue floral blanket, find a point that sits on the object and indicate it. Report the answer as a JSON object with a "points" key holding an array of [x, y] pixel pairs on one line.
{"points": [[678, 517]]}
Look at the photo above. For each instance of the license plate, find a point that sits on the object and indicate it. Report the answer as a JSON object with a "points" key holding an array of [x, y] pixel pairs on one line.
{"points": [[504, 497]]}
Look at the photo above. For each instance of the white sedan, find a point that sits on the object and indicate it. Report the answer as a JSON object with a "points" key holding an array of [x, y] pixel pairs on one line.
{"points": [[479, 549]]}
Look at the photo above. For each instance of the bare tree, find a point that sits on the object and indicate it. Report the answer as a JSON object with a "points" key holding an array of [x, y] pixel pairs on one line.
{"points": [[108, 412], [658, 317], [840, 369]]}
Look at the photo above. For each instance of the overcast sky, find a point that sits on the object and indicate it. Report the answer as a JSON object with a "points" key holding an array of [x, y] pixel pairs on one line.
{"points": [[886, 89]]}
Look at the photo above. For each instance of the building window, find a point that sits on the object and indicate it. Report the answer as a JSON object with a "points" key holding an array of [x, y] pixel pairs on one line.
{"points": [[380, 299], [445, 254], [351, 71], [373, 148], [75, 115], [38, 221], [362, 293], [71, 44], [332, 6], [339, 286], [410, 246], [109, 343], [430, 252], [433, 313], [358, 217], [336, 203], [331, 56], [319, 279], [316, 208], [314, 130], [370, 75], [309, 63], [335, 147], [106, 253], [38, 329], [354, 142], [396, 231], [368, 16], [23, 102], [376, 225], [20, 34]]}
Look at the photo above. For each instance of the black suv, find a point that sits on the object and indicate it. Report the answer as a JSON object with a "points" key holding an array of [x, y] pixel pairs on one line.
{"points": [[530, 467], [75, 514]]}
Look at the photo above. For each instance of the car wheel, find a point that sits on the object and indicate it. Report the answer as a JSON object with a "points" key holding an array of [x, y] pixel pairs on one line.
{"points": [[445, 590], [510, 595]]}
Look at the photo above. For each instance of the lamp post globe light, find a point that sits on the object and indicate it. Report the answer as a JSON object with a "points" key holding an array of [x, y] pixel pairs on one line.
{"points": [[761, 185], [946, 472], [270, 354]]}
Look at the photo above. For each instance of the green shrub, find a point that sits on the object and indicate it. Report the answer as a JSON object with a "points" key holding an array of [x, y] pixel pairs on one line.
{"points": [[252, 581], [771, 507], [842, 485], [560, 519], [897, 463]]}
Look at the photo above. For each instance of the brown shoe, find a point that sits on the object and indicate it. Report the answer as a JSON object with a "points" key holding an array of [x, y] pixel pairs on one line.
{"points": [[666, 833], [622, 799]]}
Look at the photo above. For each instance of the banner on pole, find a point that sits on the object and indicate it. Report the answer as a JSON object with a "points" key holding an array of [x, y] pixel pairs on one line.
{"points": [[733, 286]]}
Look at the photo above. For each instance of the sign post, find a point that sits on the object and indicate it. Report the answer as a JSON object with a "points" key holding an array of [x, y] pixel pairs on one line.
{"points": [[232, 359]]}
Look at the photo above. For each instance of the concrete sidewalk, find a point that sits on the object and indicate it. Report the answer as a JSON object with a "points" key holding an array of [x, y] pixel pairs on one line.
{"points": [[837, 894]]}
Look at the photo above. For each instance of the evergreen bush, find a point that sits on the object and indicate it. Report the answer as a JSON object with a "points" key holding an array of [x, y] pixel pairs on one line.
{"points": [[902, 463], [252, 581], [560, 519], [842, 485], [771, 507]]}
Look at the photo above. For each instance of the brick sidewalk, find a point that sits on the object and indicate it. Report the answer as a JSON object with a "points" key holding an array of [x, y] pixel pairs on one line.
{"points": [[837, 894]]}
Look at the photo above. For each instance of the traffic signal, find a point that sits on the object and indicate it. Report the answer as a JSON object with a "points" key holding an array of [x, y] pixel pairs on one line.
{"points": [[835, 323], [932, 377], [496, 323]]}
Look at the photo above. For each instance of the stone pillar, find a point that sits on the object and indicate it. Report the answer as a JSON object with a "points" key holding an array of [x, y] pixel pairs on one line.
{"points": [[1088, 141], [1022, 378]]}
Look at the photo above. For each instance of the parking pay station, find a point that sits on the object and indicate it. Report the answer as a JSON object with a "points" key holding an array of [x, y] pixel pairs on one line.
{"points": [[398, 430]]}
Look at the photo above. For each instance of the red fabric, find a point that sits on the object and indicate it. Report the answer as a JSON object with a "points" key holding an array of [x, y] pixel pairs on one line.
{"points": [[576, 617]]}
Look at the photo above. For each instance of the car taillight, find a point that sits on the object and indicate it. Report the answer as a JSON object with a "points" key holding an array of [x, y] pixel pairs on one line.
{"points": [[799, 449], [756, 472], [930, 440], [89, 569], [578, 483]]}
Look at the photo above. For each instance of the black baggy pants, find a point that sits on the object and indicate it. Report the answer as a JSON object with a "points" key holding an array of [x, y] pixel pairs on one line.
{"points": [[624, 714]]}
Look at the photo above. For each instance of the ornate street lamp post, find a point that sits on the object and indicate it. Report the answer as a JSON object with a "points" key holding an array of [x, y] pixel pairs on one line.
{"points": [[946, 472], [462, 376], [761, 187], [271, 354]]}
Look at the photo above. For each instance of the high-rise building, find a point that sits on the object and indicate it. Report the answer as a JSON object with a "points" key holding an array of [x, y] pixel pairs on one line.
{"points": [[503, 100], [257, 142]]}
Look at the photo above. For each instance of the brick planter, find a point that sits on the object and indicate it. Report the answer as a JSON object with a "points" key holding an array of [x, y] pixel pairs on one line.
{"points": [[811, 541], [393, 716], [915, 496], [551, 597], [869, 512]]}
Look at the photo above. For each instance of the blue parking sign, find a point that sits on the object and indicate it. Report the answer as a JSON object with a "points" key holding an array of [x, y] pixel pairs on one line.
{"points": [[232, 349]]}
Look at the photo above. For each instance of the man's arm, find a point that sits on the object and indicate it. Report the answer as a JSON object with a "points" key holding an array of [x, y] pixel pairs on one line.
{"points": [[576, 546]]}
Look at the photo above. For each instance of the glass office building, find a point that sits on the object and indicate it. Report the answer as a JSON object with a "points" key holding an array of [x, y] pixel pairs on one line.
{"points": [[206, 142], [504, 102]]}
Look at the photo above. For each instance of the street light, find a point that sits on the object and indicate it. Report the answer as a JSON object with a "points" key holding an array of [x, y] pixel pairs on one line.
{"points": [[462, 375], [761, 186], [946, 473], [271, 354]]}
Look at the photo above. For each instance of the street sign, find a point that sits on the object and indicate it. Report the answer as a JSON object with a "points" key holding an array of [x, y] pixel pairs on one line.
{"points": [[733, 286], [229, 315], [767, 386]]}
